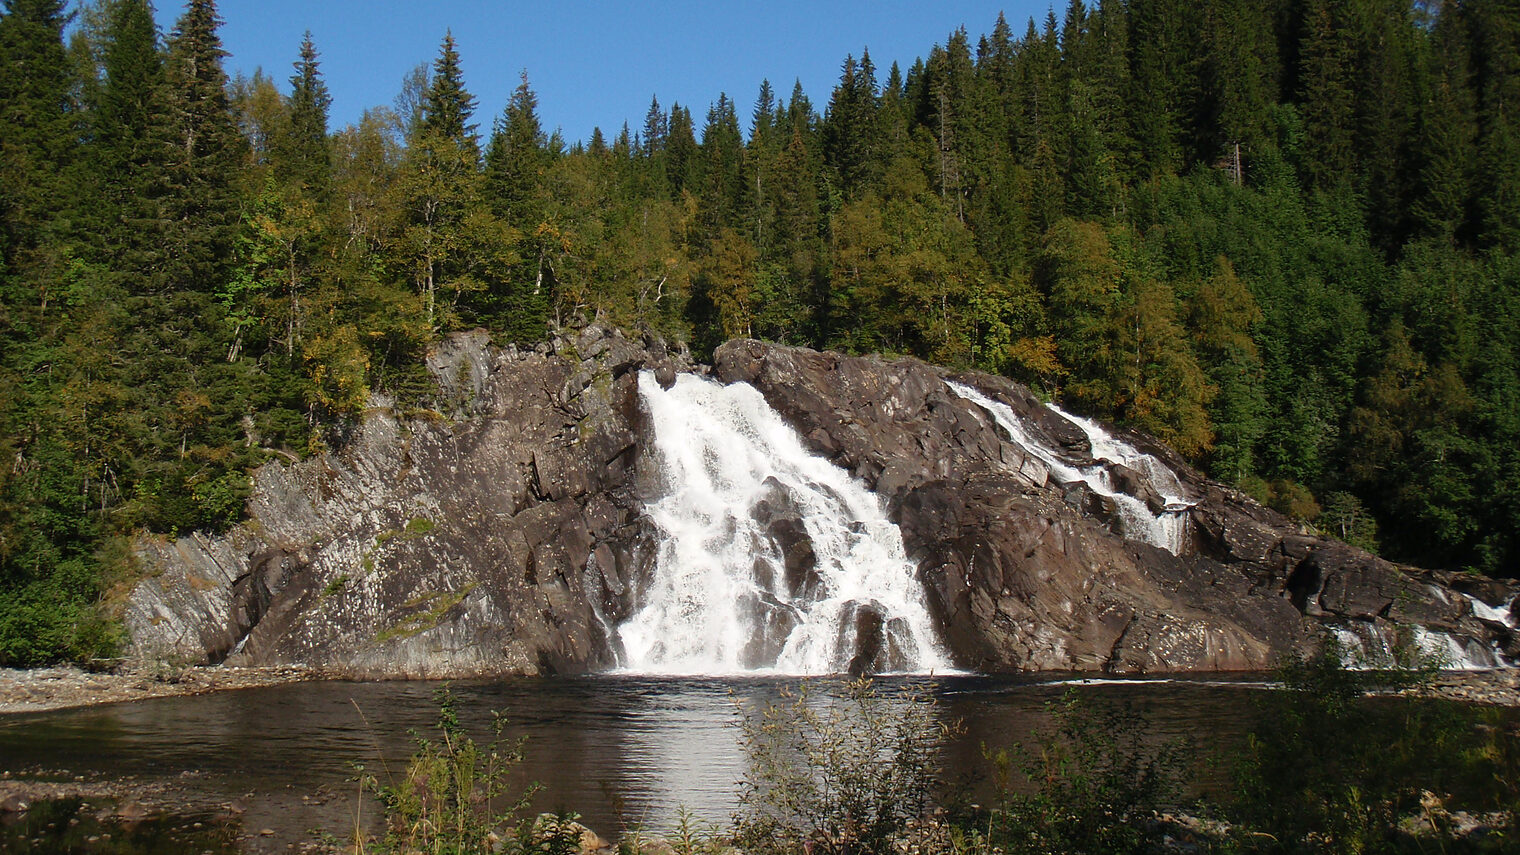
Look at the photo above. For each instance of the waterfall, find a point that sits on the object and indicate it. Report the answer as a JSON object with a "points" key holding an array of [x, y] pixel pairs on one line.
{"points": [[1366, 645], [769, 559], [1165, 529], [1504, 615]]}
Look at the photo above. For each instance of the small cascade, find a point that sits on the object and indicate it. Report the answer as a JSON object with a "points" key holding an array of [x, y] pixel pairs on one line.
{"points": [[769, 559], [1452, 653], [1504, 615], [1172, 521], [1166, 529], [1354, 651], [1365, 645]]}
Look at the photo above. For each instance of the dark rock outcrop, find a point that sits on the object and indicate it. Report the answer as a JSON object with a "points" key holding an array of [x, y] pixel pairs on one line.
{"points": [[1023, 572], [495, 534], [503, 532]]}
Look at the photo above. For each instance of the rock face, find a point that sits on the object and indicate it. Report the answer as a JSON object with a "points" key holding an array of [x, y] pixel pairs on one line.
{"points": [[489, 536], [503, 533]]}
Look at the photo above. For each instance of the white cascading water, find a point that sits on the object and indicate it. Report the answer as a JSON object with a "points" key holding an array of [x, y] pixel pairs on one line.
{"points": [[1172, 523], [1503, 615], [1453, 654], [1166, 530], [1367, 646], [722, 599]]}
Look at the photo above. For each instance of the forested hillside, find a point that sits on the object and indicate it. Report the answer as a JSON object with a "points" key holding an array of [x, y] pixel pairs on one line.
{"points": [[1279, 234]]}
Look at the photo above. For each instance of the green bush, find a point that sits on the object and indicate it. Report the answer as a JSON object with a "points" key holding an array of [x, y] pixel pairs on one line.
{"points": [[454, 798], [1329, 769], [1095, 785], [837, 772]]}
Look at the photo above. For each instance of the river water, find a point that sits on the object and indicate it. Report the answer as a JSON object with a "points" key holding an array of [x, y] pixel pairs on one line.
{"points": [[625, 752]]}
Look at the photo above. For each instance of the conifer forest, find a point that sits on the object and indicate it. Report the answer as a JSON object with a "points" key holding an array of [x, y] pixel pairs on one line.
{"points": [[1283, 236]]}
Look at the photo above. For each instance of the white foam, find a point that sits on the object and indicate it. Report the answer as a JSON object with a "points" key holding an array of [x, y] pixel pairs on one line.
{"points": [[719, 602], [1167, 529]]}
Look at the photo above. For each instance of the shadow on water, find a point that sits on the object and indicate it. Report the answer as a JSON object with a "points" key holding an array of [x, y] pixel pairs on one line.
{"points": [[624, 751], [73, 825]]}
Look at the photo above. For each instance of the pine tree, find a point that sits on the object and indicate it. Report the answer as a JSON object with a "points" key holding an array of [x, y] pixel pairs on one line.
{"points": [[205, 154], [304, 150], [516, 158], [37, 143]]}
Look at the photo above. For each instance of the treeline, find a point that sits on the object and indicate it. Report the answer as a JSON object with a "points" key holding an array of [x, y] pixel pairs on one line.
{"points": [[1279, 234]]}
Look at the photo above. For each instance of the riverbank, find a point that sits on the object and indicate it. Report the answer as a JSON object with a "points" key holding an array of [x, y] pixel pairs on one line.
{"points": [[65, 687], [1500, 687]]}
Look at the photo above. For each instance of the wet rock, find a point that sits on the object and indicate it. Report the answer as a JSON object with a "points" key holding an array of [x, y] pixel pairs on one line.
{"points": [[870, 642]]}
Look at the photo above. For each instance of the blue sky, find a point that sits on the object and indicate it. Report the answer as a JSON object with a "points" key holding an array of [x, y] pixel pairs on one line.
{"points": [[594, 63]]}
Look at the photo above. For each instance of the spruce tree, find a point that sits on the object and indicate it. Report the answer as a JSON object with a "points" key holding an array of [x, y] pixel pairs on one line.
{"points": [[849, 127], [682, 164], [459, 255], [447, 106], [205, 154], [656, 125], [1497, 26], [129, 152], [722, 156], [1326, 96], [304, 151], [650, 147], [1237, 81], [37, 143], [763, 118], [1158, 56], [516, 158], [1446, 145]]}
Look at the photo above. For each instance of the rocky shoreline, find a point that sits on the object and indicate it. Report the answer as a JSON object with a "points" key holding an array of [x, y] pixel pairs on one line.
{"points": [[64, 687]]}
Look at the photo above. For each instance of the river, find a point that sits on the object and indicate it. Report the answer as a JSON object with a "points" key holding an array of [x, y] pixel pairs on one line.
{"points": [[625, 752]]}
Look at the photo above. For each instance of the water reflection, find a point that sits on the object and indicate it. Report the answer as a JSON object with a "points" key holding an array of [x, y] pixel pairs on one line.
{"points": [[625, 752]]}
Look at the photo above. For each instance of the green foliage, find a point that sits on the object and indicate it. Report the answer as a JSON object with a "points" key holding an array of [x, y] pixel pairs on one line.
{"points": [[842, 771], [455, 796], [1343, 516], [1330, 770], [1097, 784], [1279, 236]]}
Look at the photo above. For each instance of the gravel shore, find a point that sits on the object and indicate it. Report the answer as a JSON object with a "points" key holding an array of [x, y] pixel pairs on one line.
{"points": [[42, 689]]}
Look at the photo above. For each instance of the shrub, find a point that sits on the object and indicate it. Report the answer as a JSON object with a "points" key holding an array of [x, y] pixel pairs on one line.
{"points": [[838, 772], [1095, 785], [454, 797], [1328, 769]]}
